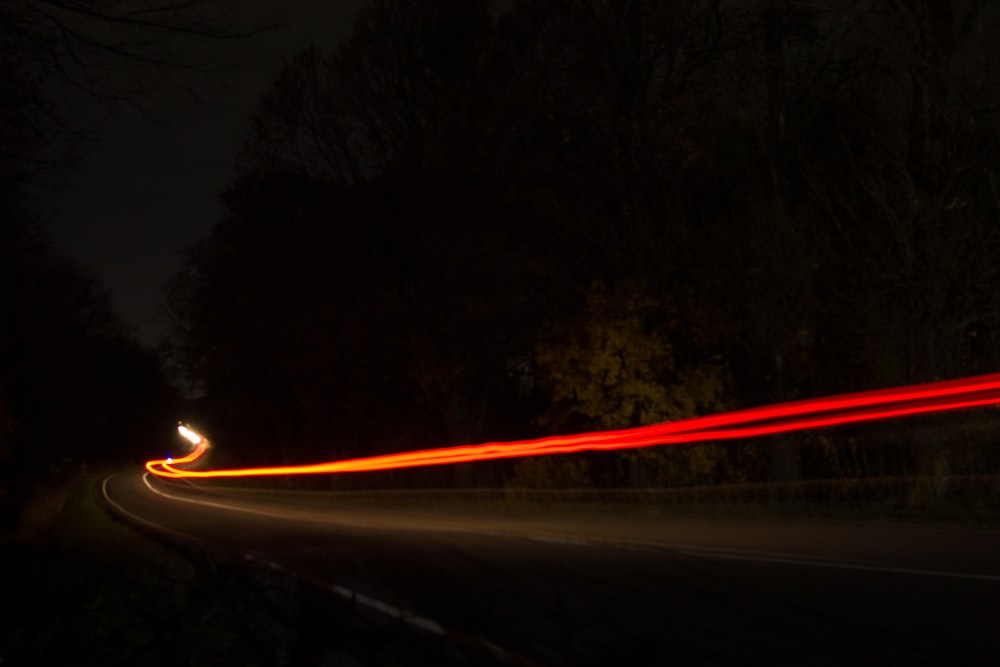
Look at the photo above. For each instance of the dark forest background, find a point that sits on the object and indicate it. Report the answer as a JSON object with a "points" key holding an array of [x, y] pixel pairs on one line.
{"points": [[485, 220]]}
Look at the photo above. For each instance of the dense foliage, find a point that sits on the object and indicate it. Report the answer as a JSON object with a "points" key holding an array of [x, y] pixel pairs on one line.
{"points": [[76, 388], [479, 220]]}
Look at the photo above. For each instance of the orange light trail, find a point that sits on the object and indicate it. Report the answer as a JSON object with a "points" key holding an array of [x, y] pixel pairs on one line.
{"points": [[980, 391], [200, 445]]}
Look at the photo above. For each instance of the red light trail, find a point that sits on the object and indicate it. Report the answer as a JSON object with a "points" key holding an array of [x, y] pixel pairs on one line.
{"points": [[979, 391]]}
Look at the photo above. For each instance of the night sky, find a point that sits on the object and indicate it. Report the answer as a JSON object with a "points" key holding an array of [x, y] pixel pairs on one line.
{"points": [[149, 186]]}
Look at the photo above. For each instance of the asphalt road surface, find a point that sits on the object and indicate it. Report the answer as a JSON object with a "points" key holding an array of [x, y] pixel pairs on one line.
{"points": [[562, 588]]}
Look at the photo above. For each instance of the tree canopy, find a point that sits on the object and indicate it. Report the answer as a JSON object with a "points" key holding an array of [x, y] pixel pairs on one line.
{"points": [[76, 388], [476, 220]]}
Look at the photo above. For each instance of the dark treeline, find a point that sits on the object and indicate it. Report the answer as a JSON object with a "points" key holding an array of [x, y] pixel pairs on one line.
{"points": [[76, 388], [477, 221]]}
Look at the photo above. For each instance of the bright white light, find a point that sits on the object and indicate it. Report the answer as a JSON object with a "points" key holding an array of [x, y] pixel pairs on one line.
{"points": [[190, 435], [170, 459]]}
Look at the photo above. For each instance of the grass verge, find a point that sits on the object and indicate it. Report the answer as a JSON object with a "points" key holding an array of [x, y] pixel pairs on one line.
{"points": [[89, 589]]}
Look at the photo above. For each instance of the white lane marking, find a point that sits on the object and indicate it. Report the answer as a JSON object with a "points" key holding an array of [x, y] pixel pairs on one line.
{"points": [[805, 561], [422, 622], [551, 539], [684, 549], [135, 517], [760, 557], [225, 506], [349, 594], [395, 612]]}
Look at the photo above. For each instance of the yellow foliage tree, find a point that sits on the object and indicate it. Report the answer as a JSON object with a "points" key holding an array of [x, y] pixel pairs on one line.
{"points": [[616, 368]]}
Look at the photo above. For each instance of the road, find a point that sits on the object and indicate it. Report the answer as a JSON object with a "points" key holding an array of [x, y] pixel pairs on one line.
{"points": [[563, 588]]}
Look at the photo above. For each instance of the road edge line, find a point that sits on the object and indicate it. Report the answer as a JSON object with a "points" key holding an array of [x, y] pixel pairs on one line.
{"points": [[392, 611], [719, 554], [425, 624]]}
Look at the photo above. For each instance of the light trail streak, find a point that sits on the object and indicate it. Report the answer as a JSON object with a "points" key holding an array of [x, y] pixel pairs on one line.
{"points": [[979, 391], [196, 439]]}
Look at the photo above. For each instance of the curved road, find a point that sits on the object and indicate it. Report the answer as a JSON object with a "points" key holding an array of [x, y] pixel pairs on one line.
{"points": [[555, 588]]}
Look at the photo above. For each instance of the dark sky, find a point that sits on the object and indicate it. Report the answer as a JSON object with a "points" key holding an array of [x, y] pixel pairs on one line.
{"points": [[150, 187]]}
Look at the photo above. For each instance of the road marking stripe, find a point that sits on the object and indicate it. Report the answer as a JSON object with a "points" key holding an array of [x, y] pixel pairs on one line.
{"points": [[805, 561], [288, 516], [135, 517], [684, 549], [551, 539], [417, 621], [207, 503], [398, 613]]}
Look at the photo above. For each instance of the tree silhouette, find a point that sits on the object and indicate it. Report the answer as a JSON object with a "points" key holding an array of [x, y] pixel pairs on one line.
{"points": [[778, 200], [75, 387]]}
